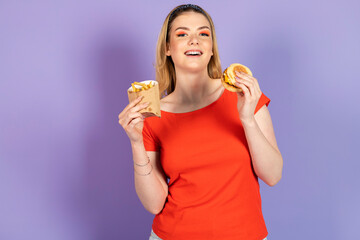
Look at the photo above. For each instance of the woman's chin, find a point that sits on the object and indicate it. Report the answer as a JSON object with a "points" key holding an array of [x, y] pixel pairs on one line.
{"points": [[194, 67]]}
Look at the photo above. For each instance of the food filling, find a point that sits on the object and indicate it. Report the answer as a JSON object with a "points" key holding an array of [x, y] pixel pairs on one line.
{"points": [[143, 86], [226, 79]]}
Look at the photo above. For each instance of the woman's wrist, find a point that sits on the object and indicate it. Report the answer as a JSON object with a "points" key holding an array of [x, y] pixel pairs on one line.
{"points": [[143, 170], [137, 144], [248, 122], [140, 161]]}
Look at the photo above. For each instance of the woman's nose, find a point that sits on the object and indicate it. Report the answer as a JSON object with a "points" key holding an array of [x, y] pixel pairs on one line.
{"points": [[194, 40]]}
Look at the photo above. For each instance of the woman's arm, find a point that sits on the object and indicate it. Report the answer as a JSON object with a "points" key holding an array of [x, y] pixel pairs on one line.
{"points": [[150, 180], [266, 157]]}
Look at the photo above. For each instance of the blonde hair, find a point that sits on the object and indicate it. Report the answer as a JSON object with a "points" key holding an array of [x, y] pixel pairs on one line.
{"points": [[164, 66]]}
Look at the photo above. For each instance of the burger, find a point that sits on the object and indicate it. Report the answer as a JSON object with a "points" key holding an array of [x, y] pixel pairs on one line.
{"points": [[228, 77]]}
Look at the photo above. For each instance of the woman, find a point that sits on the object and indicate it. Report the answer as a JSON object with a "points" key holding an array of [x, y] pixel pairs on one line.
{"points": [[197, 167]]}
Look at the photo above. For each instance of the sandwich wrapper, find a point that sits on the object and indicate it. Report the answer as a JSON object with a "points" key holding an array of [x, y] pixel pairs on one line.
{"points": [[151, 95]]}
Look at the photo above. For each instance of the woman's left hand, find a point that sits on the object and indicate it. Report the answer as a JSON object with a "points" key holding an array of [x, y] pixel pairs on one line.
{"points": [[249, 97]]}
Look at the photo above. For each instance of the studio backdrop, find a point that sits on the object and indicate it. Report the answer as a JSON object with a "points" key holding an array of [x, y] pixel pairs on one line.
{"points": [[66, 170]]}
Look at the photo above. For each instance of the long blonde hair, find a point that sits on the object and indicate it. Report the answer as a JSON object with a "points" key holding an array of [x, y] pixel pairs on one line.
{"points": [[164, 66]]}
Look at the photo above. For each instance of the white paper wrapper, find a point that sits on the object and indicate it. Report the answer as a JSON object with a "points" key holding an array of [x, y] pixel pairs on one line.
{"points": [[151, 95]]}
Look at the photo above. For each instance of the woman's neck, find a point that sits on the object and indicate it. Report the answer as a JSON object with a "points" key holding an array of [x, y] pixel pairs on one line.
{"points": [[191, 88]]}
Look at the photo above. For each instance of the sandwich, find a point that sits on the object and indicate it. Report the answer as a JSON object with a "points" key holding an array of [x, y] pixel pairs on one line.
{"points": [[228, 77]]}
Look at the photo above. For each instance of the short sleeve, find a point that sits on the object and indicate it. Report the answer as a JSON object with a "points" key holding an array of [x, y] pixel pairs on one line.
{"points": [[263, 100], [150, 142]]}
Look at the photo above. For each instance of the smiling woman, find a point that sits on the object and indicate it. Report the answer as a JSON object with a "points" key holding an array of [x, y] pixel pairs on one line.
{"points": [[196, 189], [165, 69], [190, 36]]}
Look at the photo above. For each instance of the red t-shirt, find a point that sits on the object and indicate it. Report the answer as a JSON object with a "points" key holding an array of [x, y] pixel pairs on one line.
{"points": [[213, 190]]}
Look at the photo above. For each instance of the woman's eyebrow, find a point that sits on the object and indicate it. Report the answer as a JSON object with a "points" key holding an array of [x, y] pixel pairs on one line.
{"points": [[185, 28]]}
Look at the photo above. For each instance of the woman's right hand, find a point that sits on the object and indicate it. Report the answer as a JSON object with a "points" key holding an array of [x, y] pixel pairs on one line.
{"points": [[132, 121]]}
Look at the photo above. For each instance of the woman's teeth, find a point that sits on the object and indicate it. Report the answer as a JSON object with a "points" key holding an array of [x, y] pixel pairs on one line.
{"points": [[193, 53]]}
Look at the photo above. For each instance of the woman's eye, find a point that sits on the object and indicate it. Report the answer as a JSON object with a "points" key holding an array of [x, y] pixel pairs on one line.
{"points": [[181, 34], [204, 34]]}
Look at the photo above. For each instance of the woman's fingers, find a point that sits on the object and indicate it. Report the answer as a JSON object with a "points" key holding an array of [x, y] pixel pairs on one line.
{"points": [[250, 78], [248, 84], [125, 117], [130, 105], [244, 75], [136, 107], [134, 102], [139, 107], [135, 121], [245, 89], [131, 117]]}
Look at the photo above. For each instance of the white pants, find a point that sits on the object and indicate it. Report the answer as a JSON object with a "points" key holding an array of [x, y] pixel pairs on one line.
{"points": [[153, 236]]}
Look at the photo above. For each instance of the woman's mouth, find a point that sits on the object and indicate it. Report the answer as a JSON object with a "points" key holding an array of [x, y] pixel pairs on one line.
{"points": [[193, 53]]}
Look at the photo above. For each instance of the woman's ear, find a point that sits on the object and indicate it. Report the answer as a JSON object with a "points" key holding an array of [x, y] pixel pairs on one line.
{"points": [[167, 52]]}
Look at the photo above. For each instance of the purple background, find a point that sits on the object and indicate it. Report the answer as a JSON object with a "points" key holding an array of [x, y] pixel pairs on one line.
{"points": [[65, 163]]}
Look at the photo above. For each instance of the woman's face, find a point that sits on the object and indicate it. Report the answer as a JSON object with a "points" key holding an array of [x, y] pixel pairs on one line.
{"points": [[190, 44]]}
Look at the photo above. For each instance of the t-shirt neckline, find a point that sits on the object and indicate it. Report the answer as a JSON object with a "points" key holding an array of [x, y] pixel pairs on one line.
{"points": [[200, 109]]}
